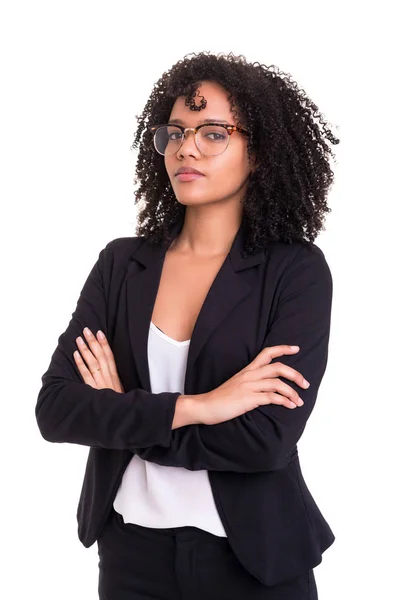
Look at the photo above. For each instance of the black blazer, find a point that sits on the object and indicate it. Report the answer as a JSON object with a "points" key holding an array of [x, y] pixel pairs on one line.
{"points": [[281, 295]]}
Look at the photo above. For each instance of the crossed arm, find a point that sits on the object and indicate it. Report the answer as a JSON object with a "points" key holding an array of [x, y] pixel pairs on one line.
{"points": [[68, 410], [262, 439]]}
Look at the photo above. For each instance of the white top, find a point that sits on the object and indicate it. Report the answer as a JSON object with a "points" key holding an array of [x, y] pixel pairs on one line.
{"points": [[152, 495]]}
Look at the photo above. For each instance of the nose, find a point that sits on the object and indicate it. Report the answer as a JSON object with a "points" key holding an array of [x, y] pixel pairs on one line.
{"points": [[188, 146]]}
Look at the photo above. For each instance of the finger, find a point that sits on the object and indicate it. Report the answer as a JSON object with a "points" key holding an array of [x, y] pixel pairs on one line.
{"points": [[273, 398], [276, 385], [95, 357], [108, 353], [117, 385], [270, 352], [286, 390], [279, 369], [92, 366], [86, 354], [83, 370]]}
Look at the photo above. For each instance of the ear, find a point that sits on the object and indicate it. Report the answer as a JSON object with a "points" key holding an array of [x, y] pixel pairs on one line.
{"points": [[253, 162]]}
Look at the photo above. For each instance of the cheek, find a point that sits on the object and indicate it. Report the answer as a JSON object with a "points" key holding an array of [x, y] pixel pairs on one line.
{"points": [[168, 166], [234, 170]]}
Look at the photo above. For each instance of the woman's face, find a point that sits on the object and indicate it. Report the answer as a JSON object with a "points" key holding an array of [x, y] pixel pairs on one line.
{"points": [[225, 175]]}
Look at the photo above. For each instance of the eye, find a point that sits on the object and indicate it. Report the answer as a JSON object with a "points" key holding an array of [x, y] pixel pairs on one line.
{"points": [[215, 136], [175, 135]]}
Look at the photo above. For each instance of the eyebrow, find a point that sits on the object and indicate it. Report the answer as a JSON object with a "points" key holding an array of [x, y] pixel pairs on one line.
{"points": [[179, 121]]}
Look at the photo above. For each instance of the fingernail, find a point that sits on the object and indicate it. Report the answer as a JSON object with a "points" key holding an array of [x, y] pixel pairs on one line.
{"points": [[100, 335], [292, 404], [306, 383], [87, 331], [301, 402]]}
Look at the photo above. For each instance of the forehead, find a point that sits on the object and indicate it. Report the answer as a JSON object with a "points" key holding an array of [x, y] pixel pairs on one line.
{"points": [[218, 106]]}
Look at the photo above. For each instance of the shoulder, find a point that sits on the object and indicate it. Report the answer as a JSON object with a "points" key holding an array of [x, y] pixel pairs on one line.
{"points": [[114, 257], [295, 252], [291, 250], [118, 250], [124, 245], [298, 264]]}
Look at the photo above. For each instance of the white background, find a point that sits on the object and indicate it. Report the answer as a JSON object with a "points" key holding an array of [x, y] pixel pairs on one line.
{"points": [[73, 77]]}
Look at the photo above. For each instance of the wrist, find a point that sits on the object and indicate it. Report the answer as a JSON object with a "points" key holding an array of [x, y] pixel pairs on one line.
{"points": [[188, 410]]}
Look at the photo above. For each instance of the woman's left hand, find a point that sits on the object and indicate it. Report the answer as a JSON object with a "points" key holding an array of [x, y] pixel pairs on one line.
{"points": [[101, 371]]}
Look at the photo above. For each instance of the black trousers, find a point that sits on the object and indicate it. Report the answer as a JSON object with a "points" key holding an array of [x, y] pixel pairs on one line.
{"points": [[181, 563]]}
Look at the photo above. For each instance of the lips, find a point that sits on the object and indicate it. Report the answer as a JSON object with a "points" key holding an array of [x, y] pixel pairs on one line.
{"points": [[188, 171]]}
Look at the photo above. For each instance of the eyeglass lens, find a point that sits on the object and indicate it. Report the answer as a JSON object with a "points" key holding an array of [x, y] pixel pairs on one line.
{"points": [[210, 139]]}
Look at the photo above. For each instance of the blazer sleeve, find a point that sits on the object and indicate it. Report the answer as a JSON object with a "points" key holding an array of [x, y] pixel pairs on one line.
{"points": [[69, 410], [263, 439]]}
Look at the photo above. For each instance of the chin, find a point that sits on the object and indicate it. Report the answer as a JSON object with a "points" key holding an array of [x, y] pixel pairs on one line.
{"points": [[189, 195], [188, 200]]}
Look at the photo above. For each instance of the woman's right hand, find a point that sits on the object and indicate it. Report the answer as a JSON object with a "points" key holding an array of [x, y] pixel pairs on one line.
{"points": [[255, 385]]}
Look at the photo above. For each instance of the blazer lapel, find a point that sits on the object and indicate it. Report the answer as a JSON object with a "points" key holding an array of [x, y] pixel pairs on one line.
{"points": [[227, 290]]}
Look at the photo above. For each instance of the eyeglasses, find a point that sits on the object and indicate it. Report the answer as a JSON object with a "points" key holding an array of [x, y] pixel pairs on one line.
{"points": [[211, 138]]}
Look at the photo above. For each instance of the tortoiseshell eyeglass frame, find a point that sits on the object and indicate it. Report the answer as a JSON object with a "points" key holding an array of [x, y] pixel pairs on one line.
{"points": [[230, 129]]}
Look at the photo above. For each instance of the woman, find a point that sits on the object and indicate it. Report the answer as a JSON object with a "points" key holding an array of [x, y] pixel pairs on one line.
{"points": [[193, 399]]}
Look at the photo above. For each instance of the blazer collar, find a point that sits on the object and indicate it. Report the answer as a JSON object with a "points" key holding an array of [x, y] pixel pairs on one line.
{"points": [[147, 253], [229, 287]]}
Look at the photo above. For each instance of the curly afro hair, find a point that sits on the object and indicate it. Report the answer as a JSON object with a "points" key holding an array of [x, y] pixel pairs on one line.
{"points": [[286, 194]]}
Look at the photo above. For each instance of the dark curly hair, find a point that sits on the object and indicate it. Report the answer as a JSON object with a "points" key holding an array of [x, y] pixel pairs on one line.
{"points": [[286, 194]]}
